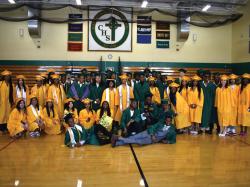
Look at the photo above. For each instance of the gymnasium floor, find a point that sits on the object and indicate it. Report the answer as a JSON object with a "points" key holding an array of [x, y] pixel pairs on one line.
{"points": [[195, 161]]}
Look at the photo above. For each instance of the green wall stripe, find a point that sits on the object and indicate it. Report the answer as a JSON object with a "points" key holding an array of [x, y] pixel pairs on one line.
{"points": [[240, 68]]}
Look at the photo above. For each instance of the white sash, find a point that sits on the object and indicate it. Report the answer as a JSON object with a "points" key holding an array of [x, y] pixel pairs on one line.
{"points": [[36, 114], [71, 135], [107, 94], [120, 94], [20, 93], [55, 95], [78, 127]]}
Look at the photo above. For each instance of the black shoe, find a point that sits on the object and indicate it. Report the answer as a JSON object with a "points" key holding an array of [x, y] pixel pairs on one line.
{"points": [[200, 131], [208, 131], [113, 140], [179, 131]]}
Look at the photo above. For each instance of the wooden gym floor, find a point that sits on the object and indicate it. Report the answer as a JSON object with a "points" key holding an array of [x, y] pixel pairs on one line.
{"points": [[195, 161]]}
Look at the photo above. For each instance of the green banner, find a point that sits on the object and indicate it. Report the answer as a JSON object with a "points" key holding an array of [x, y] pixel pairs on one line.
{"points": [[73, 37], [162, 44]]}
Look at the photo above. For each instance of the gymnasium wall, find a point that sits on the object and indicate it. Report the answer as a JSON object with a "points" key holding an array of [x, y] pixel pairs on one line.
{"points": [[213, 46], [240, 43]]}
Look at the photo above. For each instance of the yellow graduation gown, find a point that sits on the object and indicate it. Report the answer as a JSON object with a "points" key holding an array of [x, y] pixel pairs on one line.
{"points": [[223, 102], [235, 91], [20, 95], [75, 115], [5, 106], [14, 124], [156, 98], [40, 93], [123, 92], [33, 116], [193, 98], [184, 93], [52, 124], [244, 104], [182, 109], [84, 115], [58, 95], [113, 99]]}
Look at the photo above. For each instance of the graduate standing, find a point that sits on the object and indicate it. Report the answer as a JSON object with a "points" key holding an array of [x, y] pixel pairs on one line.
{"points": [[223, 103], [57, 94], [69, 108], [244, 104], [125, 93], [183, 90], [6, 99], [96, 91], [141, 89], [21, 89], [195, 102], [17, 123], [156, 97], [79, 91], [111, 95], [39, 91], [181, 108]]}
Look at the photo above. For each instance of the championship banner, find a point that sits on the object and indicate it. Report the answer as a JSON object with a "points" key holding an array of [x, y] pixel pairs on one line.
{"points": [[75, 33], [162, 35], [110, 29], [144, 29]]}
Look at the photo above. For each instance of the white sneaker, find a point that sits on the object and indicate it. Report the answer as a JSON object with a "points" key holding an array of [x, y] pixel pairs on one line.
{"points": [[37, 134], [32, 134]]}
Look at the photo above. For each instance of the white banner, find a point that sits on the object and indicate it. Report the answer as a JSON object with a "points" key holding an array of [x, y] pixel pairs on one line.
{"points": [[110, 29]]}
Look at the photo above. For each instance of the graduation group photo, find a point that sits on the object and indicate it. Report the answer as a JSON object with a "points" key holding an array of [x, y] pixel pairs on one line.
{"points": [[125, 93]]}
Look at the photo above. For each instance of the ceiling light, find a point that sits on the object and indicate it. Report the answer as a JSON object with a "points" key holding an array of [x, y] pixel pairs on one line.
{"points": [[12, 2], [144, 4], [78, 2], [205, 8]]}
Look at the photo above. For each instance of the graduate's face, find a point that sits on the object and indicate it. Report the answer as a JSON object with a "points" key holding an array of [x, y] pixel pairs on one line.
{"points": [[206, 77], [195, 83], [63, 79], [50, 104], [182, 74], [20, 81], [142, 78], [124, 81], [223, 83], [169, 82], [34, 101], [151, 83], [149, 100], [81, 79], [71, 104], [184, 83], [134, 104], [113, 76], [71, 122], [87, 105], [168, 120], [39, 83], [165, 106], [56, 81], [21, 104], [111, 84], [245, 81], [232, 81], [105, 105], [173, 89], [7, 78], [98, 79]]}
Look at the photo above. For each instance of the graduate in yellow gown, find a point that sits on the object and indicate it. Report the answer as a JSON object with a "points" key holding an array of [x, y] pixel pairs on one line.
{"points": [[39, 90], [156, 97], [87, 116], [103, 112], [111, 95], [51, 118], [180, 107], [195, 102], [17, 123], [244, 104], [235, 92], [21, 89], [6, 99], [169, 81], [69, 108], [183, 90], [35, 117], [223, 102], [125, 93], [57, 94]]}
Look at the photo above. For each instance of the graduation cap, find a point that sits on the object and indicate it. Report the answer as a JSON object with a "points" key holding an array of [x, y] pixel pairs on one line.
{"points": [[182, 70], [200, 72], [207, 72], [147, 70]]}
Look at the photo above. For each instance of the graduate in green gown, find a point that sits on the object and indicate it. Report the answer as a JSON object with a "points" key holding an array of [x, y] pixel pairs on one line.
{"points": [[141, 89], [165, 110], [96, 90], [160, 83], [79, 91], [130, 121]]}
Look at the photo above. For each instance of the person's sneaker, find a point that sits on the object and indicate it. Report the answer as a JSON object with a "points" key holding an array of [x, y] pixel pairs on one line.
{"points": [[37, 134], [32, 134]]}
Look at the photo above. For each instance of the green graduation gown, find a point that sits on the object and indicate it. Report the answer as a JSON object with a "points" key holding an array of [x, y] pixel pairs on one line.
{"points": [[126, 117], [96, 93], [140, 92]]}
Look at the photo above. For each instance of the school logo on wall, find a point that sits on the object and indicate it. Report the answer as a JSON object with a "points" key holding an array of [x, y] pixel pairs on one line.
{"points": [[110, 29]]}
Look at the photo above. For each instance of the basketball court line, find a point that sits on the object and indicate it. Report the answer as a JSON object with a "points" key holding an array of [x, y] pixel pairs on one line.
{"points": [[139, 166]]}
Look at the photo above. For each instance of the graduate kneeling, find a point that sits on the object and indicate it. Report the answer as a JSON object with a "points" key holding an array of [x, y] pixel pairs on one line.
{"points": [[159, 132], [75, 135]]}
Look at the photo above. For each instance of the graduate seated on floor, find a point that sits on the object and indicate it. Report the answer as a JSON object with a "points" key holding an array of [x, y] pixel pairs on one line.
{"points": [[130, 122], [35, 117], [17, 124], [75, 135], [149, 112], [160, 132]]}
